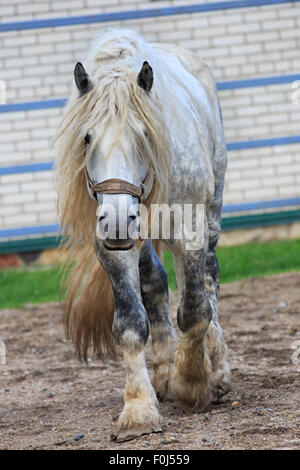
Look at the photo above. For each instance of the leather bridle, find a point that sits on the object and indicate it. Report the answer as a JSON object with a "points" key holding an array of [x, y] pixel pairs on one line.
{"points": [[118, 186]]}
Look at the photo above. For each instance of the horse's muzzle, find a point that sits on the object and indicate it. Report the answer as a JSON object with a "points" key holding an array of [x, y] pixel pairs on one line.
{"points": [[118, 236]]}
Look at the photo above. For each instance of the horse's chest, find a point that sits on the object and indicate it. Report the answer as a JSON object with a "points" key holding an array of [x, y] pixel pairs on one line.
{"points": [[192, 179], [192, 186]]}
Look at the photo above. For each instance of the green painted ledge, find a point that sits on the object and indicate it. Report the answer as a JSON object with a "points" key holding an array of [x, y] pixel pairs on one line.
{"points": [[29, 245]]}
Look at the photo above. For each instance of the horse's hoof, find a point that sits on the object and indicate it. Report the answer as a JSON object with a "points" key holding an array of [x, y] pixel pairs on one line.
{"points": [[221, 391], [160, 384], [137, 418], [135, 432], [193, 391]]}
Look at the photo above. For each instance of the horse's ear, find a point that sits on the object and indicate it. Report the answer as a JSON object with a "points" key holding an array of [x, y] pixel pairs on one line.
{"points": [[82, 80], [145, 77]]}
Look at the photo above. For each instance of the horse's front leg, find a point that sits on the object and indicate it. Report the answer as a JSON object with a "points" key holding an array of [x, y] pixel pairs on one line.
{"points": [[130, 328], [154, 286]]}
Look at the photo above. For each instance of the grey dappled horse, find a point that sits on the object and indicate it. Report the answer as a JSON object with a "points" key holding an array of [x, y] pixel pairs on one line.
{"points": [[143, 127]]}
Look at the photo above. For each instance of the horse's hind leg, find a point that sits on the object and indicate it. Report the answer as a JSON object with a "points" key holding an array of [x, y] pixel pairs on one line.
{"points": [[130, 328], [214, 340], [201, 372], [215, 343], [154, 288]]}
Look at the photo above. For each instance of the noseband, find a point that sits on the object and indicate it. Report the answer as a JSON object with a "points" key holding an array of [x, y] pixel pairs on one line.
{"points": [[117, 186]]}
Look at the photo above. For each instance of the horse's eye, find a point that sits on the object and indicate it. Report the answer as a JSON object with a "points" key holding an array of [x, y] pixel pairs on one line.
{"points": [[87, 140]]}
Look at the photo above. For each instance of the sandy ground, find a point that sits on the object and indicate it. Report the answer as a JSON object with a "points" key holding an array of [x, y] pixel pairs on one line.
{"points": [[51, 401]]}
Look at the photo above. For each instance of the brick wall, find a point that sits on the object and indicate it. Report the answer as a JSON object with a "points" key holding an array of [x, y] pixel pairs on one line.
{"points": [[242, 43]]}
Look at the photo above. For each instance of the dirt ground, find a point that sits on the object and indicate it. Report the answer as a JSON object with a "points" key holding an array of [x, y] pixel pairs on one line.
{"points": [[51, 401]]}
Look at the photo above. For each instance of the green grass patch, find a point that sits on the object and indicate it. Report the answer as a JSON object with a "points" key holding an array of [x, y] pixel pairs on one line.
{"points": [[30, 285], [258, 259], [253, 259], [35, 285]]}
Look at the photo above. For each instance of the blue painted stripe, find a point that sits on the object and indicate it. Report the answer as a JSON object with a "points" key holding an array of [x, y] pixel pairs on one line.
{"points": [[229, 85], [138, 14], [32, 167], [36, 230], [251, 206], [29, 105], [251, 144], [260, 81]]}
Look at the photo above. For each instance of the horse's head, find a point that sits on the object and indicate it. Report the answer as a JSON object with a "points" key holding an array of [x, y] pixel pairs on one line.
{"points": [[118, 174]]}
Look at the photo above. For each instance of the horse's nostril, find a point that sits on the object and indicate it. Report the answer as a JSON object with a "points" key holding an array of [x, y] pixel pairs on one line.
{"points": [[104, 225], [132, 217]]}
